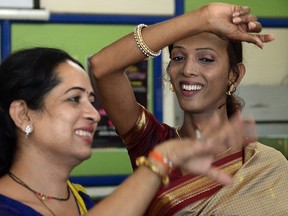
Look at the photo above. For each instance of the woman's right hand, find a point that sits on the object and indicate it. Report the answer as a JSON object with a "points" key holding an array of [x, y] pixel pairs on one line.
{"points": [[233, 22]]}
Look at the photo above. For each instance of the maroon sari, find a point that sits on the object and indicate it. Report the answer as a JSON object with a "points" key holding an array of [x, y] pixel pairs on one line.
{"points": [[183, 190]]}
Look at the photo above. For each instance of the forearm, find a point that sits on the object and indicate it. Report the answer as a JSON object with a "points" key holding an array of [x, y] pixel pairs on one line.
{"points": [[125, 51], [132, 197], [109, 64]]}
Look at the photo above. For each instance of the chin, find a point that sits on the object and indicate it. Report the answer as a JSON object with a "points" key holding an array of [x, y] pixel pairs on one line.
{"points": [[85, 155]]}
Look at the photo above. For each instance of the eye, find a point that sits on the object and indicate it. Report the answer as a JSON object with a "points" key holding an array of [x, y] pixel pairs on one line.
{"points": [[92, 99], [75, 99], [177, 58], [207, 60]]}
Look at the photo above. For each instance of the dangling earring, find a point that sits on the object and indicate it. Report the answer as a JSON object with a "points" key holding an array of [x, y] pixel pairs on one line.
{"points": [[172, 88], [28, 130], [231, 89]]}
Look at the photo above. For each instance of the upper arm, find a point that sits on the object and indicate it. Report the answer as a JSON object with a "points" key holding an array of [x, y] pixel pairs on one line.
{"points": [[117, 98]]}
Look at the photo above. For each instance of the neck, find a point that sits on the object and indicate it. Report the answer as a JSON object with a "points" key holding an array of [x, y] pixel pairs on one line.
{"points": [[202, 122], [42, 177]]}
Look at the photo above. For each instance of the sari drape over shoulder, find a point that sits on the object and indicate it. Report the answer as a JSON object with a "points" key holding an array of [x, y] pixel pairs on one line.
{"points": [[260, 178]]}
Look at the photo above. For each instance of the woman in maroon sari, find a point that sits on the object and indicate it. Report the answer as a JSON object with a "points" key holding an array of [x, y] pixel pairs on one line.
{"points": [[204, 71]]}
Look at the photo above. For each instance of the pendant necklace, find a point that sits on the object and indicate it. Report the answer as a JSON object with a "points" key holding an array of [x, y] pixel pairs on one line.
{"points": [[197, 132], [199, 137], [40, 196]]}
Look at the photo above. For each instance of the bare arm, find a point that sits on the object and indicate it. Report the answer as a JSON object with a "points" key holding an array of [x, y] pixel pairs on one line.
{"points": [[108, 65], [133, 196]]}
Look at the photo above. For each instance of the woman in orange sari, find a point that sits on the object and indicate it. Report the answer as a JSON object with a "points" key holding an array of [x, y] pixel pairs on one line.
{"points": [[204, 71]]}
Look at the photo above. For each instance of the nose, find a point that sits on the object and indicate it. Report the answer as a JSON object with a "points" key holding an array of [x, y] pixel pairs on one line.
{"points": [[92, 114], [190, 68]]}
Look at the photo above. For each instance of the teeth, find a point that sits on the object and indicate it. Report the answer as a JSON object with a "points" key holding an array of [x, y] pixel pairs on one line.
{"points": [[191, 87], [83, 133]]}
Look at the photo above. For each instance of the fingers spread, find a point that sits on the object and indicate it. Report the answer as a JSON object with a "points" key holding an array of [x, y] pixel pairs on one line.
{"points": [[266, 37]]}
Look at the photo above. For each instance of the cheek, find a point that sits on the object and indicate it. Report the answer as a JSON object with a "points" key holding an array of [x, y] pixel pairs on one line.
{"points": [[65, 121], [172, 73], [218, 82]]}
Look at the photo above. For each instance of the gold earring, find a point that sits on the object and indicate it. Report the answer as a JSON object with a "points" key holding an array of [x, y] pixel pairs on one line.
{"points": [[231, 89], [172, 88]]}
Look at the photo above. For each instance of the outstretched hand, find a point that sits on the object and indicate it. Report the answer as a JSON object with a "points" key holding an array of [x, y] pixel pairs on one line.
{"points": [[197, 156], [234, 22]]}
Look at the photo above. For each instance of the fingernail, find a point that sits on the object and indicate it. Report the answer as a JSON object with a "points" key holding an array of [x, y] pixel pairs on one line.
{"points": [[236, 13], [272, 37], [252, 25], [236, 20]]}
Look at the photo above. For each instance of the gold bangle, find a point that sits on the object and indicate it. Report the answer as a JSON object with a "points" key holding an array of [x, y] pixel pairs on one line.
{"points": [[141, 43], [142, 161]]}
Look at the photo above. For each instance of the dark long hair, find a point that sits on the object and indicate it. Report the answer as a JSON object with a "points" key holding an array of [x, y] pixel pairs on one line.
{"points": [[26, 75], [235, 54]]}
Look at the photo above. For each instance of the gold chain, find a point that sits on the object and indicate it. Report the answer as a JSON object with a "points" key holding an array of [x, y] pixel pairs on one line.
{"points": [[200, 137], [227, 150], [177, 132]]}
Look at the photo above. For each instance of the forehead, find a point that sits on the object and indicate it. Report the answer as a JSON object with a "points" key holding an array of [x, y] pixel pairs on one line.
{"points": [[72, 74], [201, 40]]}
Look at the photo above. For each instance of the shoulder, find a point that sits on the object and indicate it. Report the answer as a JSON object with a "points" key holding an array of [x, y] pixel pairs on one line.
{"points": [[263, 154], [265, 149], [147, 129]]}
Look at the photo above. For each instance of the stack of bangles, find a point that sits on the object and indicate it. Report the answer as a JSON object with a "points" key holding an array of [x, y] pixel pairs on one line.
{"points": [[143, 161], [141, 43]]}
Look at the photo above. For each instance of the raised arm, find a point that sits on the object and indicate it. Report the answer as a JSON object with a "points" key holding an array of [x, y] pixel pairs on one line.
{"points": [[108, 65]]}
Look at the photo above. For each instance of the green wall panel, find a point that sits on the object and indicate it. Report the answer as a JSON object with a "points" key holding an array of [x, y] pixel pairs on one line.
{"points": [[77, 39], [105, 162], [261, 8]]}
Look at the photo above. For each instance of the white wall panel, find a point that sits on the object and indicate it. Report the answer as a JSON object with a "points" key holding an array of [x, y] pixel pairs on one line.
{"points": [[131, 7]]}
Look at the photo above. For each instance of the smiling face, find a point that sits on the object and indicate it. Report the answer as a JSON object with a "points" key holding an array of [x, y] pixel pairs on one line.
{"points": [[200, 73], [64, 128]]}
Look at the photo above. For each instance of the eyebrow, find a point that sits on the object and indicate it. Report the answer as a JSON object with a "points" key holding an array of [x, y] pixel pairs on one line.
{"points": [[75, 88], [201, 48], [80, 89], [205, 48]]}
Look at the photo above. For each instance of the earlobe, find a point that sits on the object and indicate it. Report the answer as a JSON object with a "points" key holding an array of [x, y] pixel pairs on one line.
{"points": [[19, 113]]}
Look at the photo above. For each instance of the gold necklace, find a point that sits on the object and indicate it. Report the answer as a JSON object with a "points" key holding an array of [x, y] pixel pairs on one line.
{"points": [[227, 150], [197, 132], [199, 137], [177, 132]]}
